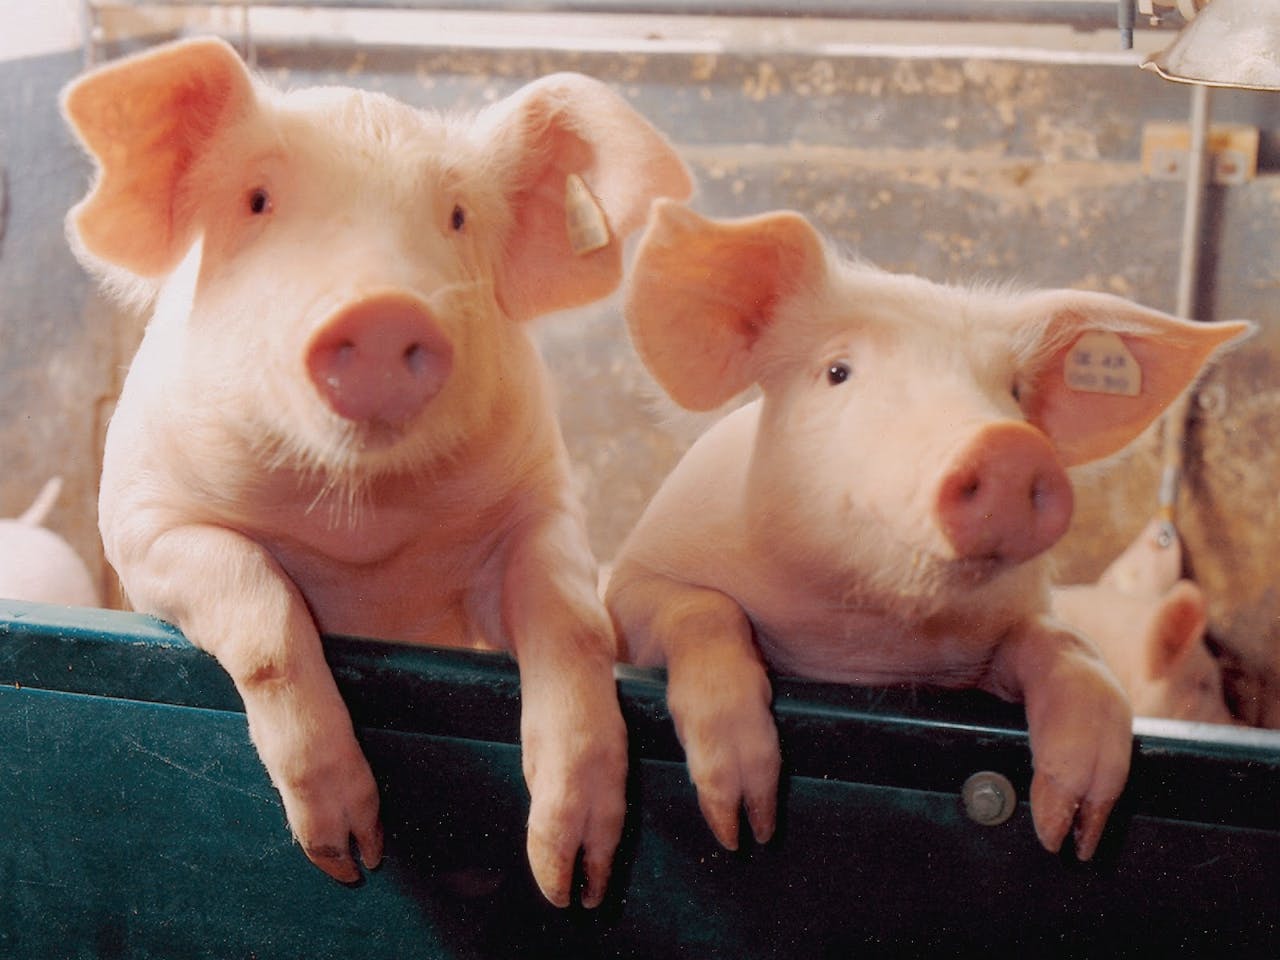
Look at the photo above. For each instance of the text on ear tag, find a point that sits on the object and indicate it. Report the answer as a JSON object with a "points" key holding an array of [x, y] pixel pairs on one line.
{"points": [[584, 220], [1099, 362]]}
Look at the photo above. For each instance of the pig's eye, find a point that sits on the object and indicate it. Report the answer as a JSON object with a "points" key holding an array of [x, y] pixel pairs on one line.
{"points": [[1015, 391], [838, 373], [259, 201], [458, 219]]}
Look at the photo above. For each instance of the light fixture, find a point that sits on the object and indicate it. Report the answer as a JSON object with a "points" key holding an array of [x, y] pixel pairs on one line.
{"points": [[1230, 43]]}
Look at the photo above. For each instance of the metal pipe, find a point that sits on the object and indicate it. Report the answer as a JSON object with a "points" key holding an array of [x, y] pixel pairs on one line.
{"points": [[1174, 431], [1126, 16], [89, 31], [1082, 14], [1193, 204]]}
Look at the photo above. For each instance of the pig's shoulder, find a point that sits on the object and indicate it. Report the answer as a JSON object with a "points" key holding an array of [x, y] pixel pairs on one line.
{"points": [[699, 509], [717, 461]]}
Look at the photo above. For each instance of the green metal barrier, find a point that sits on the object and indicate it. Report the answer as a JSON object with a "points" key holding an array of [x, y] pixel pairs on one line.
{"points": [[138, 822]]}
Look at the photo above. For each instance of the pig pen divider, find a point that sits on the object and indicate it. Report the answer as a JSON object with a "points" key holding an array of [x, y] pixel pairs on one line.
{"points": [[139, 821]]}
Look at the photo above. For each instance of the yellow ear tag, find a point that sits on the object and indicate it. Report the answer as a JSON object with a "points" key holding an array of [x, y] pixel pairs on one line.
{"points": [[1099, 362], [584, 220]]}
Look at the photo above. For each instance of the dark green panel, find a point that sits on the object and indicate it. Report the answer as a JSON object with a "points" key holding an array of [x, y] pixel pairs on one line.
{"points": [[139, 823]]}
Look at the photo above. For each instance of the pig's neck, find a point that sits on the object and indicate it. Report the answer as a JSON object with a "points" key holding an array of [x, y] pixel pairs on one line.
{"points": [[815, 617], [410, 549], [241, 485], [814, 630]]}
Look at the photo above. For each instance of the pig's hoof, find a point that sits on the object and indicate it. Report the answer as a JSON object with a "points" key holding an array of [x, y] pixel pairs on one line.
{"points": [[337, 863], [724, 816], [340, 862], [723, 821], [1055, 811], [576, 816], [748, 781], [553, 859], [333, 836]]}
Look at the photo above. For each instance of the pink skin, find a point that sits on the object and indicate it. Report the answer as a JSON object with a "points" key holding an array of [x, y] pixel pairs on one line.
{"points": [[1005, 496], [337, 420], [879, 516], [380, 359], [38, 565], [1149, 625]]}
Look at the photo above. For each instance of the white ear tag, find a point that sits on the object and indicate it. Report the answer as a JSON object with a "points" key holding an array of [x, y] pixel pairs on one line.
{"points": [[584, 220], [1099, 362]]}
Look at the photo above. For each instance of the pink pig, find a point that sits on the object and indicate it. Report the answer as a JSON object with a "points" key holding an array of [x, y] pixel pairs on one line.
{"points": [[879, 515], [1149, 625], [38, 565], [337, 420]]}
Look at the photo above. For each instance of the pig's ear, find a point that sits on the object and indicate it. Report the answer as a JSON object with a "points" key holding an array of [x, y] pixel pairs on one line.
{"points": [[1178, 625], [581, 168], [1096, 370], [703, 291], [145, 120]]}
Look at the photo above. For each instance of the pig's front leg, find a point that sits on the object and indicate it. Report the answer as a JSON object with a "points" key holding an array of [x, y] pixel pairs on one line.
{"points": [[574, 739], [718, 692], [230, 598], [1080, 724]]}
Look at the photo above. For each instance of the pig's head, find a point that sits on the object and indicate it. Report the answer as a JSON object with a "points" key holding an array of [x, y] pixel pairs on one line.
{"points": [[914, 438], [1154, 644], [341, 275]]}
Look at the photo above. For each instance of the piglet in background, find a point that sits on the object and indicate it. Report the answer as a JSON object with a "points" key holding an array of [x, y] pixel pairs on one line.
{"points": [[1149, 624], [337, 420], [880, 515], [38, 565]]}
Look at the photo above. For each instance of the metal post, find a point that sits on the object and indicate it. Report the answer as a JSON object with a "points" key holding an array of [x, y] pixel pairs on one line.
{"points": [[1193, 205], [89, 32], [1175, 422], [1126, 14]]}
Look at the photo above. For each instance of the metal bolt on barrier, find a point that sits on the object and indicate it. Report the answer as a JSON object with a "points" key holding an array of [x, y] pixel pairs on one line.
{"points": [[989, 798]]}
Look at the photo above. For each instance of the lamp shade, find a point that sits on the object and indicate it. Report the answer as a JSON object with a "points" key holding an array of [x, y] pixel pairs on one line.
{"points": [[1230, 43]]}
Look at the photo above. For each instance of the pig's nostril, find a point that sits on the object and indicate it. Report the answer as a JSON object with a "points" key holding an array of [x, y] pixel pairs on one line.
{"points": [[1008, 501], [1038, 494], [416, 358], [381, 359]]}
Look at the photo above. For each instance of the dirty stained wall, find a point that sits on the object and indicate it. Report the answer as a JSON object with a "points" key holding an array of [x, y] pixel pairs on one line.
{"points": [[955, 168]]}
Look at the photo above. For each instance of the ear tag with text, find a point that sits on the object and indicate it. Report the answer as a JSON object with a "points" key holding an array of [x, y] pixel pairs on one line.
{"points": [[1099, 362], [584, 220]]}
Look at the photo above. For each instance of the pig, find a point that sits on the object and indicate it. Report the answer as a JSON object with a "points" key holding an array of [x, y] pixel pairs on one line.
{"points": [[1148, 623], [879, 515], [38, 565], [337, 420]]}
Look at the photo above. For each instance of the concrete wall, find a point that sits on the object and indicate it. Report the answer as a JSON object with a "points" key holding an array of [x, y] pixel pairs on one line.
{"points": [[956, 165]]}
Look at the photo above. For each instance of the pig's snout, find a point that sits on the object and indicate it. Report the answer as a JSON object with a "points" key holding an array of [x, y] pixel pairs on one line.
{"points": [[1006, 496], [380, 359]]}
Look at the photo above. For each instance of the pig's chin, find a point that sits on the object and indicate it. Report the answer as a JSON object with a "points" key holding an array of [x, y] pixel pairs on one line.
{"points": [[349, 451], [964, 572], [372, 440], [931, 580], [374, 448]]}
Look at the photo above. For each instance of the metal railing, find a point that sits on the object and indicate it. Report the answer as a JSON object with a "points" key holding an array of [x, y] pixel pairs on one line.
{"points": [[1077, 14]]}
